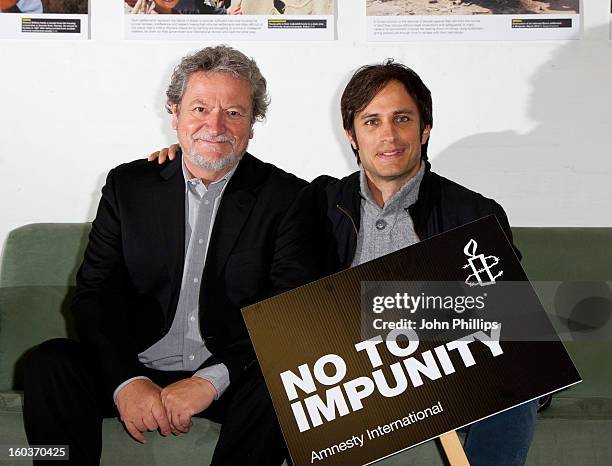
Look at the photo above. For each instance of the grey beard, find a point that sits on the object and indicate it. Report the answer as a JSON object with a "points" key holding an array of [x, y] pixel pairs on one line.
{"points": [[214, 165]]}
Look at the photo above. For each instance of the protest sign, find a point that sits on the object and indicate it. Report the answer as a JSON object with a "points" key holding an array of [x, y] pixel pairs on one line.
{"points": [[386, 355]]}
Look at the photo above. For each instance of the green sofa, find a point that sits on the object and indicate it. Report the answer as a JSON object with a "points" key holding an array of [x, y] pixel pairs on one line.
{"points": [[37, 277]]}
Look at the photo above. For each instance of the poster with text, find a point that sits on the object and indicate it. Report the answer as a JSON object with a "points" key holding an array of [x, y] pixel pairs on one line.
{"points": [[422, 20], [44, 19], [274, 20], [386, 355]]}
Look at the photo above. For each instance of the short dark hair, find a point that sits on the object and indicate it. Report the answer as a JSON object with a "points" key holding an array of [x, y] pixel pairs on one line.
{"points": [[369, 80]]}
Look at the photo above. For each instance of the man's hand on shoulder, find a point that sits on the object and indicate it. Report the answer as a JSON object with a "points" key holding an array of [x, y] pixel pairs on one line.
{"points": [[167, 153], [140, 408], [186, 398]]}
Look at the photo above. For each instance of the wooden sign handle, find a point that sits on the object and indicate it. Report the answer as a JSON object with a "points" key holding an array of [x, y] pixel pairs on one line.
{"points": [[453, 449]]}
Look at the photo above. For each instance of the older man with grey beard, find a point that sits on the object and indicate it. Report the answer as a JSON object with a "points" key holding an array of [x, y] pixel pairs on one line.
{"points": [[174, 252]]}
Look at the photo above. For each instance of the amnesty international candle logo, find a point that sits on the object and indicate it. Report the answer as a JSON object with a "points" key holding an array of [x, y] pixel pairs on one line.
{"points": [[384, 356], [480, 264]]}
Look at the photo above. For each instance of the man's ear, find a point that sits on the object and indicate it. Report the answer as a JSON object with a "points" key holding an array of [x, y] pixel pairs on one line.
{"points": [[425, 135], [351, 138], [175, 111]]}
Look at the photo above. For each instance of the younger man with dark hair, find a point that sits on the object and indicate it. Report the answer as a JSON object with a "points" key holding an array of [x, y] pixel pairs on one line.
{"points": [[394, 201]]}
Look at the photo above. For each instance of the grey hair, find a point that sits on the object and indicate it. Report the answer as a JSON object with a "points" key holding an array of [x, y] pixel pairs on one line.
{"points": [[220, 59]]}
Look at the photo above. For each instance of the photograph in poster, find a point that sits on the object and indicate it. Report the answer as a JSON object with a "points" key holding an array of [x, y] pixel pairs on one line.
{"points": [[230, 19], [403, 20], [386, 355], [44, 19]]}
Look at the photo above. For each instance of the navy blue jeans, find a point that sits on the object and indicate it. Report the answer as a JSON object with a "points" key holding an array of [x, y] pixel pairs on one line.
{"points": [[503, 439]]}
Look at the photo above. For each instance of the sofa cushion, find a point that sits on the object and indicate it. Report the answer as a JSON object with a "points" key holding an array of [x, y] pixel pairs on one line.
{"points": [[592, 359], [571, 270], [43, 254], [571, 442], [29, 315], [565, 254]]}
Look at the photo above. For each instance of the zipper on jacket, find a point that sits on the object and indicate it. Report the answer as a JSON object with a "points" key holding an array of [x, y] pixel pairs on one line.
{"points": [[346, 212]]}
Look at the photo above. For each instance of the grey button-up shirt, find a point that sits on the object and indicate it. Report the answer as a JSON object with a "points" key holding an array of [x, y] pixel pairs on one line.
{"points": [[182, 348], [386, 229]]}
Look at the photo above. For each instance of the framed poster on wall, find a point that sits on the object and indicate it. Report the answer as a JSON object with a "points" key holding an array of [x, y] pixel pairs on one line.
{"points": [[44, 19], [230, 19], [423, 20]]}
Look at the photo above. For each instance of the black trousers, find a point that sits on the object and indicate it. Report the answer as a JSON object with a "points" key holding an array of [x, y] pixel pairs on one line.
{"points": [[64, 404]]}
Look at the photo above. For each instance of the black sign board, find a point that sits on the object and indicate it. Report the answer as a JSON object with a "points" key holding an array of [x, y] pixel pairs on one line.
{"points": [[386, 355]]}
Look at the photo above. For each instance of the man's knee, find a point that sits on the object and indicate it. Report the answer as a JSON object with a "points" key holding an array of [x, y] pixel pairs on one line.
{"points": [[50, 357]]}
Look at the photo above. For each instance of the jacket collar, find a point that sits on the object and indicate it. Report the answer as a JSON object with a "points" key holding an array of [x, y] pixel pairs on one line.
{"points": [[234, 210], [168, 204]]}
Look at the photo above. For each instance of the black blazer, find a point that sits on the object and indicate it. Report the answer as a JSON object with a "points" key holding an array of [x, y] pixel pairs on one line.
{"points": [[129, 282]]}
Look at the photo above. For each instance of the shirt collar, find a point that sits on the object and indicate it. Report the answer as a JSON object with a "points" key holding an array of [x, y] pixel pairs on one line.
{"points": [[406, 196], [220, 183]]}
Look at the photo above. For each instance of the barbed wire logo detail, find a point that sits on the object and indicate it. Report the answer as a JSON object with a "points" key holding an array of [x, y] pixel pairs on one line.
{"points": [[480, 265]]}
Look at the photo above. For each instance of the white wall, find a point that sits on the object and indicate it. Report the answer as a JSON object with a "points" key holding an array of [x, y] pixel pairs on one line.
{"points": [[526, 123]]}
